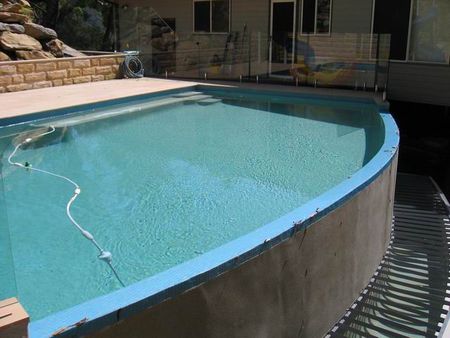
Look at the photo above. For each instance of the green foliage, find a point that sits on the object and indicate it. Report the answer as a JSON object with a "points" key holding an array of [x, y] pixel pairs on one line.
{"points": [[27, 11], [81, 24]]}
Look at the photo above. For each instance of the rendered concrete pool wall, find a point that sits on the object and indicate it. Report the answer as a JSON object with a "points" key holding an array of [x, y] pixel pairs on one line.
{"points": [[298, 288]]}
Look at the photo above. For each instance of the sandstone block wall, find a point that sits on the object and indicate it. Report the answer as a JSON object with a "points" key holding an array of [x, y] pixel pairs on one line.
{"points": [[33, 74]]}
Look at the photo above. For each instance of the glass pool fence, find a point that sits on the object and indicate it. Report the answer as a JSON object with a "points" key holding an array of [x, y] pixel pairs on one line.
{"points": [[217, 46], [336, 60], [8, 286]]}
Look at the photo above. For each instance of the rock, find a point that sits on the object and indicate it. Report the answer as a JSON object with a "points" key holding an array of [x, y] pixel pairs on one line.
{"points": [[156, 32], [12, 27], [39, 32], [4, 27], [24, 3], [33, 55], [55, 47], [166, 29], [16, 28], [60, 49], [156, 21], [13, 41], [158, 44], [13, 17], [4, 57], [69, 51], [21, 2], [14, 8], [19, 7]]}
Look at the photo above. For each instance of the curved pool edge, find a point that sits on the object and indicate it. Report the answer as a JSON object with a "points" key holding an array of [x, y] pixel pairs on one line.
{"points": [[118, 305]]}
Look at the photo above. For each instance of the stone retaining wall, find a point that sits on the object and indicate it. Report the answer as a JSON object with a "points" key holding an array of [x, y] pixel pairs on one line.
{"points": [[33, 74]]}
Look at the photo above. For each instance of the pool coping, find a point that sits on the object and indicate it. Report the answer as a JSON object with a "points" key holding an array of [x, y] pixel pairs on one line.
{"points": [[117, 305]]}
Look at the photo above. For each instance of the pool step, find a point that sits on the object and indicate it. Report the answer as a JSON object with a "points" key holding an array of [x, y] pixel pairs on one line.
{"points": [[40, 141], [207, 102], [186, 94], [104, 113], [196, 98]]}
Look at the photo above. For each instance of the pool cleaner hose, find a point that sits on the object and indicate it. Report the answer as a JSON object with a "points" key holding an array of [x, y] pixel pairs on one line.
{"points": [[132, 67], [103, 255]]}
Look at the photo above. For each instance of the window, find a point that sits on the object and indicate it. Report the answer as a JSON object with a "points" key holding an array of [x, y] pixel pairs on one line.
{"points": [[418, 29], [316, 17], [323, 15], [212, 16], [392, 17], [430, 33]]}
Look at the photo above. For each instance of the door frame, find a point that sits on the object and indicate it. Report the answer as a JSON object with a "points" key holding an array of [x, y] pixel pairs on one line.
{"points": [[294, 25]]}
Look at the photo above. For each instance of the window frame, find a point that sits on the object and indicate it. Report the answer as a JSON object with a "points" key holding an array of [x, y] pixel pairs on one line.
{"points": [[210, 17], [315, 20]]}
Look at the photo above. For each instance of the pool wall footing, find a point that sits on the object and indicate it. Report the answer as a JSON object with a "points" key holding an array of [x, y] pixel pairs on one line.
{"points": [[299, 287]]}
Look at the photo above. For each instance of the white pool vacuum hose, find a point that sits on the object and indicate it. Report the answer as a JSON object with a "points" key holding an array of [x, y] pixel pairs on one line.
{"points": [[104, 255]]}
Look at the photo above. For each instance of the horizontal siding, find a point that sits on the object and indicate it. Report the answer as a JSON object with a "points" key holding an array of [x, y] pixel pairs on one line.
{"points": [[181, 10], [352, 16], [348, 16], [419, 83], [253, 13]]}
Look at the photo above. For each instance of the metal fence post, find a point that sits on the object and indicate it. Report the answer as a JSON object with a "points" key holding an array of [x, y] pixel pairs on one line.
{"points": [[249, 53]]}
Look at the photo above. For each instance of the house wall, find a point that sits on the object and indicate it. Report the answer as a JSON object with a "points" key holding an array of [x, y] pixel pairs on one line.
{"points": [[351, 16], [254, 13], [179, 9], [348, 16], [422, 83], [407, 81]]}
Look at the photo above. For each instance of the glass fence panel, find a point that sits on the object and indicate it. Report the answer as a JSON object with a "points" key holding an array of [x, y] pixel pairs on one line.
{"points": [[430, 34], [8, 286], [171, 46], [346, 60], [382, 57]]}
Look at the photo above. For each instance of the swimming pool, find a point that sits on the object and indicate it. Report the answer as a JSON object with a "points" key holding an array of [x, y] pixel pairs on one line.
{"points": [[169, 180]]}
